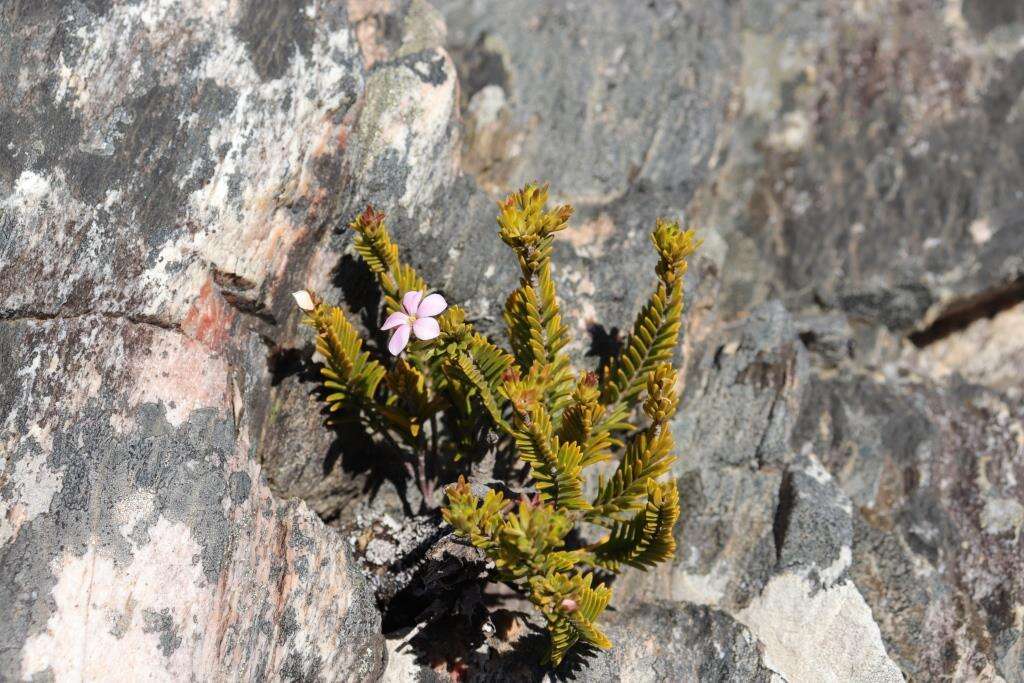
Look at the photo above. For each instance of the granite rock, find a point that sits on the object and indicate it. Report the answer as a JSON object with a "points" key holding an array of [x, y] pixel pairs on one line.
{"points": [[167, 174], [850, 434], [659, 641]]}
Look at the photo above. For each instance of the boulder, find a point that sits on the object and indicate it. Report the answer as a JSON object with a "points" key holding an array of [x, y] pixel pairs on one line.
{"points": [[168, 173], [140, 539], [849, 435]]}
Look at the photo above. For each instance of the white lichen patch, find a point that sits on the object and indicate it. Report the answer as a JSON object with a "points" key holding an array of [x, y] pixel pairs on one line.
{"points": [[792, 133], [1002, 515], [830, 575], [21, 386], [589, 238], [402, 665], [33, 482], [702, 589], [175, 271], [30, 191], [113, 623], [768, 64], [32, 200], [817, 471], [989, 352], [133, 509], [981, 230], [486, 105], [827, 635]]}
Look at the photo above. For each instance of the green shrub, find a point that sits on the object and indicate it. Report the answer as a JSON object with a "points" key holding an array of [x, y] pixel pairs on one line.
{"points": [[452, 386]]}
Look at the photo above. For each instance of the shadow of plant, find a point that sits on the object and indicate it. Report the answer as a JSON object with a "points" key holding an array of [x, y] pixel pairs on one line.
{"points": [[352, 448], [605, 345]]}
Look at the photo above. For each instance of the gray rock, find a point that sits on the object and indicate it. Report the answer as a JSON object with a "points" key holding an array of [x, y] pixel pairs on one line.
{"points": [[766, 533], [140, 535], [617, 106], [656, 641], [677, 641], [808, 203], [865, 175], [167, 172], [850, 429], [582, 112], [847, 180], [741, 401], [742, 396], [828, 337], [813, 524], [932, 475]]}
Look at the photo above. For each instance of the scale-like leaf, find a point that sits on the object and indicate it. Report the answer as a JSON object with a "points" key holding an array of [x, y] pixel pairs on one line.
{"points": [[648, 456], [646, 539], [656, 328], [556, 467], [347, 367], [571, 605]]}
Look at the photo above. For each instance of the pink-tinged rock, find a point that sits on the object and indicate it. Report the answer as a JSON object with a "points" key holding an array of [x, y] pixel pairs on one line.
{"points": [[174, 171], [141, 540]]}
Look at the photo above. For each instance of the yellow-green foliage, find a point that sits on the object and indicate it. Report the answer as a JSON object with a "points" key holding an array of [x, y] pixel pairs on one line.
{"points": [[556, 421]]}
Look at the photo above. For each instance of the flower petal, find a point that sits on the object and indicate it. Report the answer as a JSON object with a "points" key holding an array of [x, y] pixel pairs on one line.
{"points": [[411, 301], [304, 300], [399, 338], [394, 320], [426, 328], [432, 305]]}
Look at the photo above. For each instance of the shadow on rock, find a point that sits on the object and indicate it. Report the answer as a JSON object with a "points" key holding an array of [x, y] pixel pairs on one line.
{"points": [[352, 447], [605, 345]]}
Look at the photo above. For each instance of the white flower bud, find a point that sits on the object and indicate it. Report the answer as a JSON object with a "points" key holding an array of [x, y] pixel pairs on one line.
{"points": [[304, 300]]}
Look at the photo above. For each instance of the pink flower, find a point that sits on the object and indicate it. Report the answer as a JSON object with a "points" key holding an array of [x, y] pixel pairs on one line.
{"points": [[417, 318]]}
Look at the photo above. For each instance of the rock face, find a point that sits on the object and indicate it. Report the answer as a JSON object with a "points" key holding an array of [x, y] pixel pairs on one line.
{"points": [[168, 173], [677, 641], [139, 538], [851, 429], [851, 432], [654, 642]]}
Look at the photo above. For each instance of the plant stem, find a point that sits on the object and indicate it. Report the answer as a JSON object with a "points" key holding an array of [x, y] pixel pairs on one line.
{"points": [[425, 487]]}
